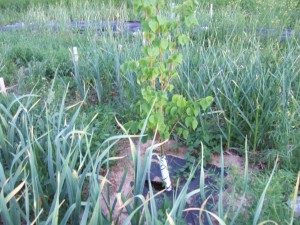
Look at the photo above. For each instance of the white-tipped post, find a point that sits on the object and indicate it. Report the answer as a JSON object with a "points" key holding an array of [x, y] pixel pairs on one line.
{"points": [[211, 11], [165, 173], [172, 8], [2, 86], [75, 54]]}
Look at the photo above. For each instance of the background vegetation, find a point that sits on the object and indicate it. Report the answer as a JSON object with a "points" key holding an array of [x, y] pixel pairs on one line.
{"points": [[48, 127]]}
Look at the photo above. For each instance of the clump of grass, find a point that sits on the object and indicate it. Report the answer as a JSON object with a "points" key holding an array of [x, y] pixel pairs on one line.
{"points": [[47, 162], [51, 156], [51, 174], [243, 72]]}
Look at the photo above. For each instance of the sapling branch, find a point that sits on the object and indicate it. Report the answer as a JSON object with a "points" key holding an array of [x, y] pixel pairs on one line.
{"points": [[175, 124], [167, 84]]}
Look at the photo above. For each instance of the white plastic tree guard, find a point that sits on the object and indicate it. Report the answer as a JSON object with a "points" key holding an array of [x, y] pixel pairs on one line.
{"points": [[2, 86], [165, 173]]}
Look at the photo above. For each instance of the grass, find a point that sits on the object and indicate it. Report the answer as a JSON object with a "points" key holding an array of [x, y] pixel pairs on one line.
{"points": [[52, 147], [51, 170], [242, 79]]}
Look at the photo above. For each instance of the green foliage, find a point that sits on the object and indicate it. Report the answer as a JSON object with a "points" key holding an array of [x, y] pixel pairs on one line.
{"points": [[274, 206], [50, 173], [103, 126], [21, 5], [226, 55], [242, 71], [47, 148], [157, 70], [253, 77], [34, 59]]}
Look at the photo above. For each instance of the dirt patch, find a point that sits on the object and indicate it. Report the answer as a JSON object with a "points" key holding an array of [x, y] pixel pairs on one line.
{"points": [[231, 161], [117, 171]]}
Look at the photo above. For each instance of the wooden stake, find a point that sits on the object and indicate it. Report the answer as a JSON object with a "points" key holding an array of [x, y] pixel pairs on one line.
{"points": [[2, 86]]}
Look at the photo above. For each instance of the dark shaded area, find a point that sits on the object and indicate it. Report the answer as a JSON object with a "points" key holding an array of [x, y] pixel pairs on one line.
{"points": [[133, 26], [284, 34], [81, 26], [175, 165]]}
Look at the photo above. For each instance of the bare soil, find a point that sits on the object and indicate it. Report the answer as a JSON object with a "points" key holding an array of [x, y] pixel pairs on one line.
{"points": [[231, 161]]}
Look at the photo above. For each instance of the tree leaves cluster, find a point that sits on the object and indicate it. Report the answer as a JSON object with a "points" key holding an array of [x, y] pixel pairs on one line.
{"points": [[157, 68]]}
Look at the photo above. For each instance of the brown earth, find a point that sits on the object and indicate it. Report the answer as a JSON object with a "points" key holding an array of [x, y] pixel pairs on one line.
{"points": [[231, 161]]}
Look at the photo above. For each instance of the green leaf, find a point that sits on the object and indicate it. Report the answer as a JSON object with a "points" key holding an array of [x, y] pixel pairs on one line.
{"points": [[164, 43], [154, 73], [194, 124], [174, 74], [165, 135], [179, 130], [152, 119], [161, 66], [160, 119], [135, 127], [133, 65], [161, 20], [258, 210], [183, 39], [144, 62], [145, 27], [14, 192], [189, 111], [173, 110], [181, 103], [153, 25], [188, 121], [175, 98], [145, 107], [196, 111], [68, 214], [191, 21], [153, 52], [171, 87], [178, 59], [206, 102], [185, 134]]}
